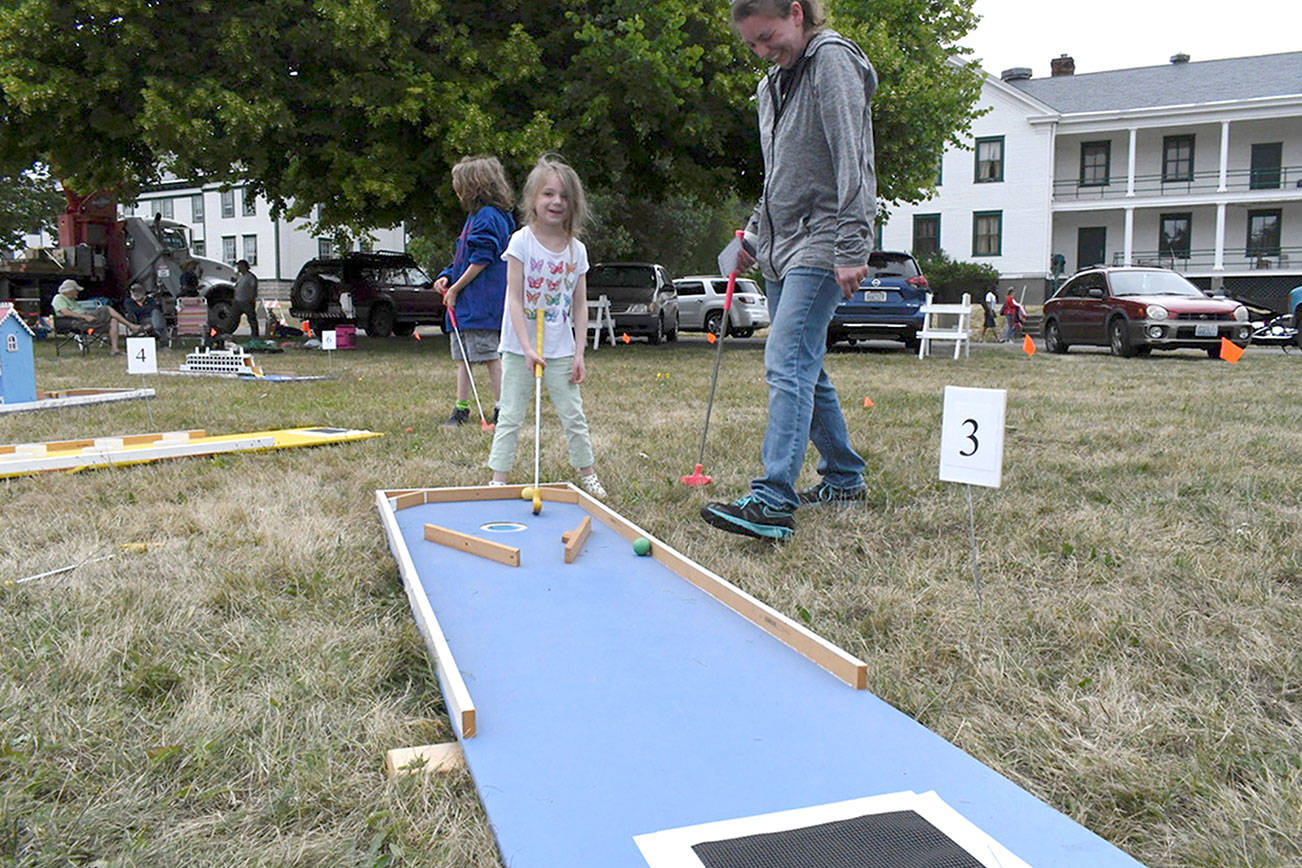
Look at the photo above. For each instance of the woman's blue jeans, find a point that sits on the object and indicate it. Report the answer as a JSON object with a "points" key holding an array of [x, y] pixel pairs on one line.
{"points": [[802, 401]]}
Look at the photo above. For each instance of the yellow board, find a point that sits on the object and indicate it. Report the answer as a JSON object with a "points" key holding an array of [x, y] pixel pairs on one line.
{"points": [[22, 459]]}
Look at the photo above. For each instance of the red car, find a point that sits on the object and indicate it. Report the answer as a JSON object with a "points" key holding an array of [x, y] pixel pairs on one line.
{"points": [[1137, 310]]}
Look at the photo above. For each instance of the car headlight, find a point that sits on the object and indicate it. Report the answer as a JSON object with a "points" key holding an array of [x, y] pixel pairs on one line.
{"points": [[636, 308], [1240, 314], [1156, 311]]}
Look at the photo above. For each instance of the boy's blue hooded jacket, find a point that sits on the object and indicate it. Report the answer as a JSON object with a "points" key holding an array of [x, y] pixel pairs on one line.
{"points": [[483, 240]]}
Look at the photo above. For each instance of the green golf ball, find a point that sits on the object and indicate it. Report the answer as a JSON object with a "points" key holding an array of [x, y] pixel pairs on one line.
{"points": [[642, 546]]}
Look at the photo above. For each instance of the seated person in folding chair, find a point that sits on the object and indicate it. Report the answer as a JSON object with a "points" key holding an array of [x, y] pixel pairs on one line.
{"points": [[145, 311], [69, 314]]}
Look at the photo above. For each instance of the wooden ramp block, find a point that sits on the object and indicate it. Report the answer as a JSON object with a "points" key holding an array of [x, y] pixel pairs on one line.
{"points": [[574, 539], [508, 555], [427, 759]]}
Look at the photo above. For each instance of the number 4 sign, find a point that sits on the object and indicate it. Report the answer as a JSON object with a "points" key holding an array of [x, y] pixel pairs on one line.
{"points": [[972, 436], [142, 357]]}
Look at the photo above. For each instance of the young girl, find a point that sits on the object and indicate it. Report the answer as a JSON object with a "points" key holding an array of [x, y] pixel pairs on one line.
{"points": [[546, 265], [474, 285]]}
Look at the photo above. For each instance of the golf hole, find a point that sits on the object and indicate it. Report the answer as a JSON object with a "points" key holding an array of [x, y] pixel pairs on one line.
{"points": [[502, 527]]}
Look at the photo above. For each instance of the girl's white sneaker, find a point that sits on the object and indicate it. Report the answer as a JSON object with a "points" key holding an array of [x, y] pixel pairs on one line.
{"points": [[592, 485]]}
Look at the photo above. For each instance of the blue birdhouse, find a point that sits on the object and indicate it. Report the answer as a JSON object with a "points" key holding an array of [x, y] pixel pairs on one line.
{"points": [[17, 366]]}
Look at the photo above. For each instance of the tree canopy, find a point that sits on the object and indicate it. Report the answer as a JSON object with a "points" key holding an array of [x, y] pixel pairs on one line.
{"points": [[362, 106]]}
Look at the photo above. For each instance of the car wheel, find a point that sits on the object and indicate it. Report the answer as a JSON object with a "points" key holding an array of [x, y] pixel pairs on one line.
{"points": [[309, 295], [658, 335], [222, 316], [380, 322], [912, 341], [744, 333], [672, 334], [1053, 341], [1119, 338], [832, 338], [712, 320], [1214, 351], [1145, 350], [403, 329]]}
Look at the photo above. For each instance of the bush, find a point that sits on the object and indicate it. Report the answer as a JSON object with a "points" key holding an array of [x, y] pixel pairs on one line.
{"points": [[949, 279]]}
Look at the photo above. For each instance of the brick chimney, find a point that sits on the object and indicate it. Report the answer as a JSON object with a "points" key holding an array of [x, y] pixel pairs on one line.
{"points": [[1062, 65]]}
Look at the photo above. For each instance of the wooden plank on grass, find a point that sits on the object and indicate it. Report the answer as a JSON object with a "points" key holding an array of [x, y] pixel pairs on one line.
{"points": [[426, 759], [508, 555], [574, 539]]}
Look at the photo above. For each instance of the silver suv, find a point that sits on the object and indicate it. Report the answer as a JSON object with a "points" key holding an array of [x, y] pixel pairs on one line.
{"points": [[700, 305]]}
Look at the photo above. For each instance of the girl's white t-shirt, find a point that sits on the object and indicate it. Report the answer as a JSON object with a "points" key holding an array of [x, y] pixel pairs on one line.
{"points": [[549, 282]]}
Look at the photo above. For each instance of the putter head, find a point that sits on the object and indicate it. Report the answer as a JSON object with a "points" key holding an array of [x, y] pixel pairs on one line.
{"points": [[485, 425], [696, 477]]}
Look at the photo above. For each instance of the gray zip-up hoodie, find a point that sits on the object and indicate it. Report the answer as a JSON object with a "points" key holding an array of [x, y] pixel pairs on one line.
{"points": [[820, 188]]}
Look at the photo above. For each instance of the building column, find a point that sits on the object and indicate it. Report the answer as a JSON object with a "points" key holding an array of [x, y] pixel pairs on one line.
{"points": [[1225, 155], [1130, 166], [1129, 244], [1218, 263]]}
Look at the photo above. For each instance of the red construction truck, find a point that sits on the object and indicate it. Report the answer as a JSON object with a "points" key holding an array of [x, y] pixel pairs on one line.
{"points": [[106, 255]]}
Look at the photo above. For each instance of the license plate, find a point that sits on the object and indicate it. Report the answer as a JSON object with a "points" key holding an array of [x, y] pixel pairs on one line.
{"points": [[1205, 330], [874, 295]]}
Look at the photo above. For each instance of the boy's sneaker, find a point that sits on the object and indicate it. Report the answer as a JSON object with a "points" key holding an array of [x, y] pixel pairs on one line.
{"points": [[824, 493], [749, 516], [459, 417], [592, 485]]}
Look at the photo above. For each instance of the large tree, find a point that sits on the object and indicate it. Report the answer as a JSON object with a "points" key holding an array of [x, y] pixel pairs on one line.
{"points": [[362, 106]]}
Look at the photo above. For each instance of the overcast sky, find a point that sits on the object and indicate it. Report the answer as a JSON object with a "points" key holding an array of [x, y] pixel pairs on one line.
{"points": [[1121, 34]]}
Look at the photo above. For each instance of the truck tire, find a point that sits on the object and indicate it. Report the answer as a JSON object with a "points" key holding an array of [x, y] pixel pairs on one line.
{"points": [[380, 323], [403, 329], [308, 295], [222, 316]]}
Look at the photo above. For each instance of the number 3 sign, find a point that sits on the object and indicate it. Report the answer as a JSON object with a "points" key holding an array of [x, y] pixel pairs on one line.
{"points": [[972, 436]]}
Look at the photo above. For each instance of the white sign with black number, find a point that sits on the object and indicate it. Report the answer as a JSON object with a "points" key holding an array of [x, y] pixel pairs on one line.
{"points": [[972, 436], [142, 356], [328, 340]]}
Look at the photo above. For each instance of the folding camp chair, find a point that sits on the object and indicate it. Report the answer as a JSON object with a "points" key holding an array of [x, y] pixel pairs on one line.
{"points": [[191, 318], [69, 330]]}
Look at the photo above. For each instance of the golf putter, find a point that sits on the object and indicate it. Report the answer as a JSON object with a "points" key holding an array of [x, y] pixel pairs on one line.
{"points": [[484, 424], [696, 477], [537, 417]]}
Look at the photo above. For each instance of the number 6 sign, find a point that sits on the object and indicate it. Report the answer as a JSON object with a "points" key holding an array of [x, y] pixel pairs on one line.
{"points": [[972, 436]]}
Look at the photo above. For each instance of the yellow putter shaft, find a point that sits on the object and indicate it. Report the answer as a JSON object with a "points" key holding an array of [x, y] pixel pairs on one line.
{"points": [[537, 414]]}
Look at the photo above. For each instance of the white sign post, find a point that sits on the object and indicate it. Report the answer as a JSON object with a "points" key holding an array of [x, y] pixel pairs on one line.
{"points": [[142, 359], [972, 448], [329, 343]]}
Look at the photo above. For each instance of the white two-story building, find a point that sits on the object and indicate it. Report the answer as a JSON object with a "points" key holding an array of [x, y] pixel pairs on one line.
{"points": [[1195, 166]]}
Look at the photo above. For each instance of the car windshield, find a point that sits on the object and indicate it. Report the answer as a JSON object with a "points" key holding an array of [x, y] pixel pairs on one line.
{"points": [[892, 265], [621, 282], [1151, 283]]}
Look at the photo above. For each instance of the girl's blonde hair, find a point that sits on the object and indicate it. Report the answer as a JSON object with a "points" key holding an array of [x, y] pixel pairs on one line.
{"points": [[571, 186], [480, 180], [743, 9]]}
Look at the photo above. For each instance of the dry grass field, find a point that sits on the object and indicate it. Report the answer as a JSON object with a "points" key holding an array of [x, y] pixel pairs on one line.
{"points": [[226, 697]]}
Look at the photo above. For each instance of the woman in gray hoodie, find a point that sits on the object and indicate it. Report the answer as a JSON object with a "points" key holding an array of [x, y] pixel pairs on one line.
{"points": [[813, 232]]}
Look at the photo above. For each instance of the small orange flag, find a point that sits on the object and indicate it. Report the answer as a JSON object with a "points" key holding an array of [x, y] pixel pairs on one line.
{"points": [[867, 402], [626, 338], [1028, 346], [416, 335], [710, 338], [1231, 351], [212, 333]]}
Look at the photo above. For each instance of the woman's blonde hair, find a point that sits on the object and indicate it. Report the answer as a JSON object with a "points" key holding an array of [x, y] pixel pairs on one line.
{"points": [[571, 186], [480, 180], [743, 9]]}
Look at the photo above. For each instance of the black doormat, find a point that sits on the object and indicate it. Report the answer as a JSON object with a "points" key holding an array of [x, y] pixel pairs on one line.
{"points": [[899, 839]]}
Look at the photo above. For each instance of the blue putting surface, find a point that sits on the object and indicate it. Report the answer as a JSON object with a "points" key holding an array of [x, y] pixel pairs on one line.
{"points": [[614, 698]]}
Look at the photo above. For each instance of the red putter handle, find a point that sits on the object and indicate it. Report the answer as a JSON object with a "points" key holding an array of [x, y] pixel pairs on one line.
{"points": [[732, 279]]}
